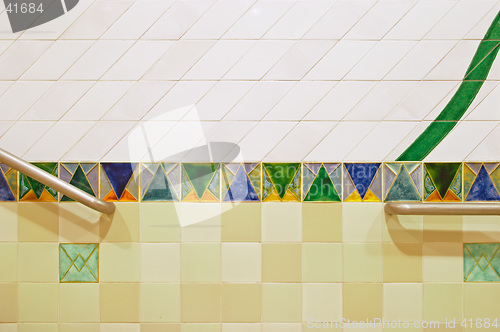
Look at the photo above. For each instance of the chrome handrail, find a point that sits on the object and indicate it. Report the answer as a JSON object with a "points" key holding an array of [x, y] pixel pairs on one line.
{"points": [[442, 208], [56, 183]]}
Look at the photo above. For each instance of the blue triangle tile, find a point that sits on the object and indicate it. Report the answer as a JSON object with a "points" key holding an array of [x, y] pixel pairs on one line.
{"points": [[119, 175], [5, 191], [483, 189], [241, 188], [362, 175]]}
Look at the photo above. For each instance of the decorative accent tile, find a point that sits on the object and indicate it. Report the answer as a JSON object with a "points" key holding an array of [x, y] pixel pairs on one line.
{"points": [[482, 181], [119, 182], [281, 182], [443, 182], [8, 183], [79, 262], [481, 262], [31, 190], [200, 182], [322, 182], [84, 176], [160, 182], [241, 182], [362, 182], [402, 182]]}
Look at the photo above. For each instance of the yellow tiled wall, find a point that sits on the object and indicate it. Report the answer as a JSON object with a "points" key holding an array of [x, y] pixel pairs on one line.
{"points": [[267, 267]]}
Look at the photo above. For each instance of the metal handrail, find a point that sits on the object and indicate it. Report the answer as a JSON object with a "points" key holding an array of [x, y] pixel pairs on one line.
{"points": [[442, 208], [55, 183]]}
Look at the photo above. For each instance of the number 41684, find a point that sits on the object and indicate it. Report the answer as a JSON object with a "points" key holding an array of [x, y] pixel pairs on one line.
{"points": [[24, 7]]}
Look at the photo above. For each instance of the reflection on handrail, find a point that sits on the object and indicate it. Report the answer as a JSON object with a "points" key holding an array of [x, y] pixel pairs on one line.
{"points": [[56, 183], [442, 208]]}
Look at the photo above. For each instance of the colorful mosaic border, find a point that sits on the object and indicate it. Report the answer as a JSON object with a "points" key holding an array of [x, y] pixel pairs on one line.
{"points": [[263, 182]]}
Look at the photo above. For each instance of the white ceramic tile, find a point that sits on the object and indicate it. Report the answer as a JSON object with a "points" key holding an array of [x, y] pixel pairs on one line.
{"points": [[57, 100], [487, 108], [97, 60], [138, 100], [138, 59], [488, 149], [218, 60], [22, 135], [454, 65], [487, 88], [442, 104], [484, 24], [380, 60], [57, 59], [5, 28], [218, 19], [259, 100], [299, 60], [19, 98], [259, 59], [4, 126], [178, 59], [494, 73], [339, 60], [407, 140], [299, 100], [4, 86], [98, 100], [298, 20], [258, 19], [16, 59], [5, 44]]}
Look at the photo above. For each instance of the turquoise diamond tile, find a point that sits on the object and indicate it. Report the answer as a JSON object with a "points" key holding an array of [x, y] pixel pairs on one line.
{"points": [[79, 262], [402, 182], [160, 182], [481, 262]]}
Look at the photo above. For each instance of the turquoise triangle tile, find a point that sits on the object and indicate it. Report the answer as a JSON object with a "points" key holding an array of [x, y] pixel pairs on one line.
{"points": [[159, 188], [394, 167], [411, 167], [403, 188]]}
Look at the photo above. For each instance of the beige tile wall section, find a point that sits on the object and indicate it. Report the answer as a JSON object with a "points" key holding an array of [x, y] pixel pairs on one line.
{"points": [[266, 267]]}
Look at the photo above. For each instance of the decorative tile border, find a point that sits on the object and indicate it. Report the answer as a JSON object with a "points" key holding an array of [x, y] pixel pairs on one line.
{"points": [[481, 262], [79, 262]]}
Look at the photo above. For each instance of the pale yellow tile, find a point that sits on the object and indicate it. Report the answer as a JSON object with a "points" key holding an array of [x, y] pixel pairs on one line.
{"points": [[403, 301], [447, 326], [119, 262], [402, 262], [281, 303], [123, 225], [78, 223], [241, 303], [481, 228], [160, 327], [38, 222], [40, 327], [362, 262], [200, 262], [160, 262], [159, 222], [481, 300], [281, 262], [442, 228], [201, 222], [362, 301], [79, 327], [8, 222], [210, 327], [322, 302], [120, 327], [38, 302], [8, 262], [322, 262], [443, 262], [8, 327], [443, 301], [281, 222], [409, 326], [200, 303], [38, 262], [400, 228], [362, 222], [241, 222], [160, 303], [281, 327], [120, 303], [321, 222], [241, 327], [358, 327], [78, 302], [312, 325], [8, 303], [241, 262]]}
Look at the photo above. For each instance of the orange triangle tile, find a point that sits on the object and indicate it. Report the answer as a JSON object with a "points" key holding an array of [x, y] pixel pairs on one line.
{"points": [[30, 197], [354, 197], [273, 197], [191, 197], [209, 197], [434, 197], [451, 197], [46, 197], [128, 197], [111, 197], [370, 197], [289, 197]]}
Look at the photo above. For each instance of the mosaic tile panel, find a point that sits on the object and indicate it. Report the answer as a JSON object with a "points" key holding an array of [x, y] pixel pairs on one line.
{"points": [[8, 183], [79, 262], [322, 182], [160, 182], [84, 176], [402, 182], [200, 182], [481, 262], [281, 182], [119, 182], [482, 181], [443, 182], [31, 190], [241, 182], [362, 182]]}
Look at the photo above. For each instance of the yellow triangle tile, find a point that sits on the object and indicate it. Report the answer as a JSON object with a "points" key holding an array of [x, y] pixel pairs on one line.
{"points": [[47, 197], [434, 197], [451, 197], [191, 197], [370, 197], [209, 197], [354, 197], [289, 197], [29, 197], [273, 197]]}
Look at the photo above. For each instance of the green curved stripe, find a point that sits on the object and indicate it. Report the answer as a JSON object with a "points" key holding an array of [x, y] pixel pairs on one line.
{"points": [[471, 84]]}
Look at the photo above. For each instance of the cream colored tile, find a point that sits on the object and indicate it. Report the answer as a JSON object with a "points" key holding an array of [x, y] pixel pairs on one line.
{"points": [[201, 327], [8, 262], [443, 301], [200, 303], [123, 225], [322, 326], [78, 223], [79, 327], [241, 303], [201, 222], [119, 262], [442, 262], [362, 301], [160, 302], [119, 303], [241, 262], [10, 327], [8, 222], [119, 327], [321, 262], [402, 262], [399, 228], [160, 262], [281, 262], [403, 301], [38, 302], [481, 300], [40, 327], [442, 228], [322, 302], [362, 222], [38, 222], [160, 327], [78, 302], [159, 222], [481, 228], [281, 303], [200, 262], [241, 327], [281, 222], [241, 222], [281, 327], [321, 222], [38, 262], [362, 262], [361, 327], [8, 303]]}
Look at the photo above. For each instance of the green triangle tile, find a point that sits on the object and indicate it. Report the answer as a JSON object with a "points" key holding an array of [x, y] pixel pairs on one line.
{"points": [[477, 274], [469, 178], [200, 176], [403, 188], [281, 175], [442, 175], [322, 188], [80, 181], [159, 188], [495, 177]]}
